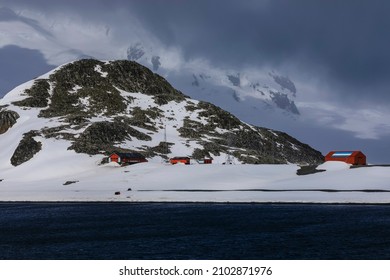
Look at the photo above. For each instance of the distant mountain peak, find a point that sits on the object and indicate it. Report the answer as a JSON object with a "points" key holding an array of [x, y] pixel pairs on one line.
{"points": [[135, 52], [284, 82]]}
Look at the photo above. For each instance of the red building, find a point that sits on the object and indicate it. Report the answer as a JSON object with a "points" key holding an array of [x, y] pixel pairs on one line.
{"points": [[205, 161], [127, 158], [185, 160], [351, 157]]}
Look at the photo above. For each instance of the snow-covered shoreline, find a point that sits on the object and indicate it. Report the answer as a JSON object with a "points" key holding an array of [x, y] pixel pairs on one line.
{"points": [[216, 183]]}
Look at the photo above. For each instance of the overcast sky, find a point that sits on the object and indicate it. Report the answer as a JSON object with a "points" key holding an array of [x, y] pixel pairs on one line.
{"points": [[337, 49], [346, 43]]}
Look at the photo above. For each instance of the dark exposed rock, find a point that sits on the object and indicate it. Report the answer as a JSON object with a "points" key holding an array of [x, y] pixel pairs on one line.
{"points": [[81, 80], [191, 129], [284, 82], [283, 102], [218, 117], [163, 148], [213, 148], [103, 136], [38, 95], [100, 135], [57, 132], [26, 149], [135, 52], [133, 77], [77, 119], [296, 151], [200, 154], [7, 120], [309, 169], [195, 83], [235, 80], [143, 118], [156, 62], [70, 182]]}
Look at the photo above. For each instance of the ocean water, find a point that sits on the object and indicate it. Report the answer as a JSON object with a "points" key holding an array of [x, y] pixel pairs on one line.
{"points": [[193, 231]]}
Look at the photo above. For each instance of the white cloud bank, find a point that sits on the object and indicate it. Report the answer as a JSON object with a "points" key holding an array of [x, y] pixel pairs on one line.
{"points": [[362, 122]]}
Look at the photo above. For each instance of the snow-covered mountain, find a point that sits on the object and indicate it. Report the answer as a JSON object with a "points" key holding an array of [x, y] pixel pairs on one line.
{"points": [[95, 108]]}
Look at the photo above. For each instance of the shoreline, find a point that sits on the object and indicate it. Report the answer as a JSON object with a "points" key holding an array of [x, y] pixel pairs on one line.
{"points": [[202, 203], [249, 184]]}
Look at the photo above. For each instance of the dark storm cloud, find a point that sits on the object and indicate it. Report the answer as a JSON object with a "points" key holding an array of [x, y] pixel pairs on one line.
{"points": [[345, 41], [348, 39]]}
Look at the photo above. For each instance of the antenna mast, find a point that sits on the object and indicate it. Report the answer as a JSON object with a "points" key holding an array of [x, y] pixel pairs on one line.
{"points": [[229, 157], [165, 147], [165, 136]]}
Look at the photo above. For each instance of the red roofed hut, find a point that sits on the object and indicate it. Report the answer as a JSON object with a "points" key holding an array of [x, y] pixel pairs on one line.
{"points": [[127, 158], [351, 157]]}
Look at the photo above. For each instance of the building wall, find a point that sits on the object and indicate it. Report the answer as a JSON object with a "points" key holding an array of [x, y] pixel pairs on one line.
{"points": [[355, 158], [114, 158], [185, 161]]}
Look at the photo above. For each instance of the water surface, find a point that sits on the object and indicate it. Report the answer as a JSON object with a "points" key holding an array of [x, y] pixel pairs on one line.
{"points": [[193, 231]]}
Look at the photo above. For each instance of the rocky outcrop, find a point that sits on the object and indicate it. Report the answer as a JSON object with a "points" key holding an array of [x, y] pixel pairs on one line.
{"points": [[38, 95], [26, 149], [283, 102], [7, 120], [103, 136]]}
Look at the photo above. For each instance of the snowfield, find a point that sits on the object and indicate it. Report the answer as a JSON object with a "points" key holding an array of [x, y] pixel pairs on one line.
{"points": [[83, 180]]}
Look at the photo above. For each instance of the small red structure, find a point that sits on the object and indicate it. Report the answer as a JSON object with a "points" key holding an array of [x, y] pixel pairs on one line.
{"points": [[205, 161], [351, 157], [127, 158], [185, 160]]}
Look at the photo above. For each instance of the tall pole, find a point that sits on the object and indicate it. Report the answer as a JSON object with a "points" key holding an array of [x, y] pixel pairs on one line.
{"points": [[229, 158]]}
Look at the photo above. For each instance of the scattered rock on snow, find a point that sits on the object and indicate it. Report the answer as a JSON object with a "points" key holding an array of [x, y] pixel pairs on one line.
{"points": [[309, 169], [69, 182], [26, 149], [7, 120]]}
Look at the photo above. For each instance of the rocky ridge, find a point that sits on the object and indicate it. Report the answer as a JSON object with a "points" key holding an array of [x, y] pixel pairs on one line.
{"points": [[101, 107]]}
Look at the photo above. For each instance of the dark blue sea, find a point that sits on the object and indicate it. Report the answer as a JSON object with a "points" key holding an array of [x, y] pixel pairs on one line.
{"points": [[193, 231]]}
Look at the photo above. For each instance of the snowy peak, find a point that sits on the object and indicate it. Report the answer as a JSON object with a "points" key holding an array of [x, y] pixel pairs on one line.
{"points": [[96, 108], [268, 90]]}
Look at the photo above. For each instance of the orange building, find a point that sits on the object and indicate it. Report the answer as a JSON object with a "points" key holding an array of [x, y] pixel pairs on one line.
{"points": [[185, 160], [127, 158], [351, 157]]}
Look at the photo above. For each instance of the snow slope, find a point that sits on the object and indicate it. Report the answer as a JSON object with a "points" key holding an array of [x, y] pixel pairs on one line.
{"points": [[201, 183]]}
